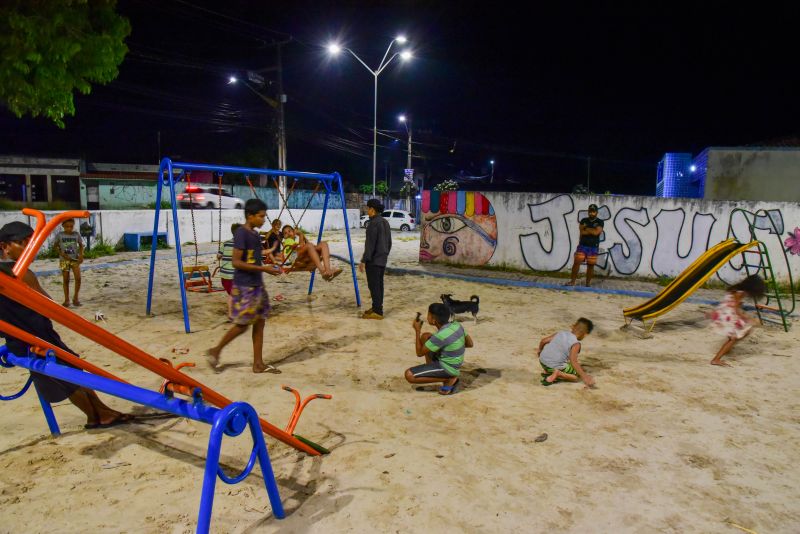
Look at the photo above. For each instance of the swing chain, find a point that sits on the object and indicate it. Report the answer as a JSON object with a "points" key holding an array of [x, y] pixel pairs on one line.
{"points": [[191, 213], [219, 214]]}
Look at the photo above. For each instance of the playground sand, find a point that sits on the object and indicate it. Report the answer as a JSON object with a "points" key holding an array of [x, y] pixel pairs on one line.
{"points": [[665, 442]]}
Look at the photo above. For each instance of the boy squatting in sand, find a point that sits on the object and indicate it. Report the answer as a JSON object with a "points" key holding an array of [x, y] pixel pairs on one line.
{"points": [[443, 350], [558, 354]]}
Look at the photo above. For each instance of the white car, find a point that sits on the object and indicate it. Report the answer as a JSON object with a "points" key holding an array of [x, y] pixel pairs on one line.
{"points": [[398, 220], [208, 196]]}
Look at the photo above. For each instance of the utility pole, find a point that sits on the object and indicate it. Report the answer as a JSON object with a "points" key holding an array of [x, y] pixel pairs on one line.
{"points": [[281, 130]]}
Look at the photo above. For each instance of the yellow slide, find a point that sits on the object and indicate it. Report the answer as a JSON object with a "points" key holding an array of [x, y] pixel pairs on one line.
{"points": [[689, 280]]}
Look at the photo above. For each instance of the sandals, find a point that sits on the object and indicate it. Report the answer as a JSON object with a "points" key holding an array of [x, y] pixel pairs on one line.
{"points": [[123, 419], [449, 390]]}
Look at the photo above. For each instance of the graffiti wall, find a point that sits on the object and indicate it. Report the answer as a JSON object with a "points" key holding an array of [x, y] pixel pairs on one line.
{"points": [[643, 236]]}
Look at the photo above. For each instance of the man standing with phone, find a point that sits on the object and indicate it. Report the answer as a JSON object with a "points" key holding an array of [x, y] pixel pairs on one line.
{"points": [[376, 253]]}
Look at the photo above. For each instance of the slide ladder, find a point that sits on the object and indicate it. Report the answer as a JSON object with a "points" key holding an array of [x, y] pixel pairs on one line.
{"points": [[759, 262]]}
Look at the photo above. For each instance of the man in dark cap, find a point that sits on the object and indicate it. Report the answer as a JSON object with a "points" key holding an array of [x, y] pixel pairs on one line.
{"points": [[376, 253], [588, 246], [14, 237]]}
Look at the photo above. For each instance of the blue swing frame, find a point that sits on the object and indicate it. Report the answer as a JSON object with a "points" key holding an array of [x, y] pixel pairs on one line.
{"points": [[166, 177], [229, 421]]}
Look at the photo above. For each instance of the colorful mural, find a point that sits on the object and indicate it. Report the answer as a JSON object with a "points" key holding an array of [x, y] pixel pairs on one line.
{"points": [[457, 227]]}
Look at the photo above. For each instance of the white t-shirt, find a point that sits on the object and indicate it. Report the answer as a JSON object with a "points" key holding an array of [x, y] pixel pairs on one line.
{"points": [[555, 354]]}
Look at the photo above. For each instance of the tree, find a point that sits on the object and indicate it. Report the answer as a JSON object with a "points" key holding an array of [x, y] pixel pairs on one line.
{"points": [[381, 188], [50, 48]]}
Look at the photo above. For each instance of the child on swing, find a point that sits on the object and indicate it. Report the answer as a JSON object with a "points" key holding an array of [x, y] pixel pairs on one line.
{"points": [[728, 318], [308, 255], [273, 248]]}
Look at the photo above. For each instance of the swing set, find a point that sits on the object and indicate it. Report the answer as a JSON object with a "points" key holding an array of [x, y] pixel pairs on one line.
{"points": [[198, 277]]}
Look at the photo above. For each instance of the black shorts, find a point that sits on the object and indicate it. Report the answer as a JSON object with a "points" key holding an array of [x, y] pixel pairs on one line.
{"points": [[52, 389], [430, 370]]}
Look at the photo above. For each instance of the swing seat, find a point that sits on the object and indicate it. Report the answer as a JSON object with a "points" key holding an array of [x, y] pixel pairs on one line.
{"points": [[198, 279]]}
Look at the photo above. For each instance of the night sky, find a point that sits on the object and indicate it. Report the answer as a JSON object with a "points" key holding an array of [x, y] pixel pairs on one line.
{"points": [[540, 89]]}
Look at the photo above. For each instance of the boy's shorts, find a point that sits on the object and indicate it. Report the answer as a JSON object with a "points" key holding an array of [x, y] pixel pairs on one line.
{"points": [[567, 369], [587, 254], [66, 264], [249, 304], [430, 370], [227, 285]]}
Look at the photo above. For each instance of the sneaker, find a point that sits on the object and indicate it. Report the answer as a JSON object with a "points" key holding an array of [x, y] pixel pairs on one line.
{"points": [[369, 314]]}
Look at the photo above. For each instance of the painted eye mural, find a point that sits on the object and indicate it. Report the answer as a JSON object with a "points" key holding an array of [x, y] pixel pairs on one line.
{"points": [[457, 227]]}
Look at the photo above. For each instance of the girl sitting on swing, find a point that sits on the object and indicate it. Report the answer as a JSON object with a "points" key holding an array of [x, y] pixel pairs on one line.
{"points": [[307, 256]]}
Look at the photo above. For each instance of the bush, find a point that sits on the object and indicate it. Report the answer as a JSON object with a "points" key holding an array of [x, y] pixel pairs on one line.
{"points": [[165, 205], [99, 248], [447, 185]]}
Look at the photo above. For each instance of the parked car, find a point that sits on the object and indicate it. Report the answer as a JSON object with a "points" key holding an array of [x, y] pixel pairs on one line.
{"points": [[398, 220], [206, 196]]}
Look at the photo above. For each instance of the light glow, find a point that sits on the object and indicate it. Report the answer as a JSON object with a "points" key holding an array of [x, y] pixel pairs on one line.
{"points": [[401, 39], [232, 79], [405, 55], [402, 118], [334, 49]]}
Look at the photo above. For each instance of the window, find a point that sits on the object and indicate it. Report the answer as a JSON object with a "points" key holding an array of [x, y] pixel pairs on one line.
{"points": [[386, 214], [398, 215]]}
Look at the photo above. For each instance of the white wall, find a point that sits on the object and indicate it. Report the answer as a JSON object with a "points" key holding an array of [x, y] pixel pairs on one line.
{"points": [[112, 224], [644, 236]]}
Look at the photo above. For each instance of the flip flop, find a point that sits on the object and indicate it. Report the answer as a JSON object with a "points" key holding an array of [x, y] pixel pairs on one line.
{"points": [[546, 383], [270, 369], [123, 419], [334, 274], [449, 390], [279, 298], [212, 362]]}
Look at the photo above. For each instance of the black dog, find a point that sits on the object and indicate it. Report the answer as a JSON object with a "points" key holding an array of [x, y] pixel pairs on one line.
{"points": [[461, 306]]}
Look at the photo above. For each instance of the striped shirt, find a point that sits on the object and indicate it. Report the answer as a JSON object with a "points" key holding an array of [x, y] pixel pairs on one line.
{"points": [[450, 344], [226, 269]]}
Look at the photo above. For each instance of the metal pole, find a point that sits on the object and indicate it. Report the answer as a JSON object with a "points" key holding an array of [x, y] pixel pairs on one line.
{"points": [[375, 139], [281, 129], [408, 127]]}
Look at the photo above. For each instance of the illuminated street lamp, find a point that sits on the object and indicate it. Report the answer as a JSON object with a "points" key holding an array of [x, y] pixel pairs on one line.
{"points": [[491, 180], [335, 49]]}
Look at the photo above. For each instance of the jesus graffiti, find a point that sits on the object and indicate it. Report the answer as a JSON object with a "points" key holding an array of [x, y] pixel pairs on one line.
{"points": [[457, 227]]}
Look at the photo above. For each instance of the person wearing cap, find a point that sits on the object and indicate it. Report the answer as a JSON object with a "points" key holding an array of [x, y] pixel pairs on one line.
{"points": [[14, 237], [376, 253], [588, 246]]}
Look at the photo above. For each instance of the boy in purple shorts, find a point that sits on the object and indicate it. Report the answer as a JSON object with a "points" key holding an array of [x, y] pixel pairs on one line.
{"points": [[588, 246], [249, 298]]}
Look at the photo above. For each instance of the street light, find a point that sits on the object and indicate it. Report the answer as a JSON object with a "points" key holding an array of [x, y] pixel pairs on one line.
{"points": [[491, 162], [335, 49]]}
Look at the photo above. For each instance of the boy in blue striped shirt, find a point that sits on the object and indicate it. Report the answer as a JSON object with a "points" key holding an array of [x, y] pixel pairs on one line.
{"points": [[226, 269], [443, 350]]}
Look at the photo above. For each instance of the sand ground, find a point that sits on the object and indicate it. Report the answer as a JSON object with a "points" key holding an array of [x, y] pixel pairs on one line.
{"points": [[665, 443]]}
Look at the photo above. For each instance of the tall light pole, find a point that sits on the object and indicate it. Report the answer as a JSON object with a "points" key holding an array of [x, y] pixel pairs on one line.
{"points": [[405, 55], [407, 123], [491, 180]]}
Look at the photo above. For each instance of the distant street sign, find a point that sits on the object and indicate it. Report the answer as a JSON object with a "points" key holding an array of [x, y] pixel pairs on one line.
{"points": [[408, 175], [255, 77]]}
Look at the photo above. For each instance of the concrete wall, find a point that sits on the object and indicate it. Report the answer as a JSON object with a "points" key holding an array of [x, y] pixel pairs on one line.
{"points": [[758, 174], [132, 194], [112, 224], [644, 236]]}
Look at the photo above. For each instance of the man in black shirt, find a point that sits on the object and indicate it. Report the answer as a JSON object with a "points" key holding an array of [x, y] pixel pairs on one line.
{"points": [[590, 229], [376, 253]]}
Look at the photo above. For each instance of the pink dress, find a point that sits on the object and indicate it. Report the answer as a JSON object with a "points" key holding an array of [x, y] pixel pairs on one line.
{"points": [[727, 319]]}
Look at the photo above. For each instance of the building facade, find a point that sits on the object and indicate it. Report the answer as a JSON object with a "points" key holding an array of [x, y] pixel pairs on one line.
{"points": [[738, 173]]}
